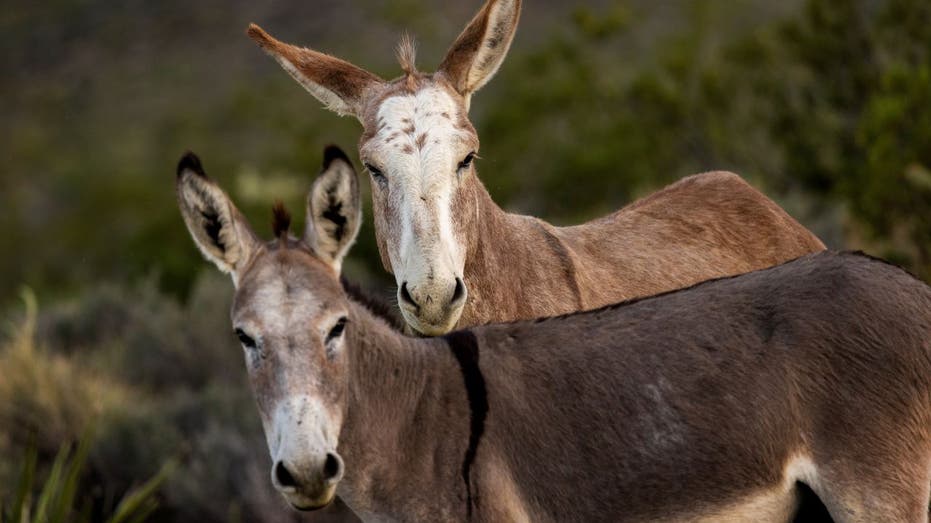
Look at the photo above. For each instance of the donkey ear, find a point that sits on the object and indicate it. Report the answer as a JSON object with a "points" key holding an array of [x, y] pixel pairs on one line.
{"points": [[334, 209], [218, 229], [478, 52], [337, 83]]}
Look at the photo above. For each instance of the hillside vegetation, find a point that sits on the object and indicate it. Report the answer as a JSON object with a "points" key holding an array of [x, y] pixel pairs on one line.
{"points": [[825, 105]]}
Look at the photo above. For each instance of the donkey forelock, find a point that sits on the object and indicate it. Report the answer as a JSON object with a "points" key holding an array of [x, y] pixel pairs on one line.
{"points": [[407, 58], [281, 220]]}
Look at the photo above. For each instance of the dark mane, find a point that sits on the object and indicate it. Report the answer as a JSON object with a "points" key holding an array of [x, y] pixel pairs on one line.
{"points": [[885, 262], [281, 220], [828, 252], [376, 305]]}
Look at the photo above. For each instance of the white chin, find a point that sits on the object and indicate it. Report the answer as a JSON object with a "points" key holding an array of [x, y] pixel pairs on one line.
{"points": [[306, 503], [430, 328]]}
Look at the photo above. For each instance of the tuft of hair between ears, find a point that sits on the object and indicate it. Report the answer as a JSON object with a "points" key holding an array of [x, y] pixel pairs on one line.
{"points": [[407, 57], [281, 221]]}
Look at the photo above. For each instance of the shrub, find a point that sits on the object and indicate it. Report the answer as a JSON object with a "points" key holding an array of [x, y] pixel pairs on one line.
{"points": [[59, 494], [163, 381]]}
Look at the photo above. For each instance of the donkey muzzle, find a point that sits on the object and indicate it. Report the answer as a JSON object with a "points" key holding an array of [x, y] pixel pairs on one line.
{"points": [[309, 486], [432, 308]]}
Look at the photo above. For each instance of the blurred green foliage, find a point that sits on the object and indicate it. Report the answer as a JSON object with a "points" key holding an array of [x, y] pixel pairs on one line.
{"points": [[823, 104], [60, 492]]}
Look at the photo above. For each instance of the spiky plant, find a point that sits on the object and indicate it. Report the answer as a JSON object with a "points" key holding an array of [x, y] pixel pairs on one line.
{"points": [[58, 497]]}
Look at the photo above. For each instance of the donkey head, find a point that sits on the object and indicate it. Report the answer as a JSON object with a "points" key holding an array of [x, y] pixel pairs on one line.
{"points": [[289, 312], [419, 146]]}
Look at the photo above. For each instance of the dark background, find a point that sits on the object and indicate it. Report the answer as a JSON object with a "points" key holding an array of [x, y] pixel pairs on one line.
{"points": [[825, 105]]}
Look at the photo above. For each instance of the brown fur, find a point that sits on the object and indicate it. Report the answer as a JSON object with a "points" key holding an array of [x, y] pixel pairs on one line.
{"points": [[704, 226], [674, 408], [344, 79]]}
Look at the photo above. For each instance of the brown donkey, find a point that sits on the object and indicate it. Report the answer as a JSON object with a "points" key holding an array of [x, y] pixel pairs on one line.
{"points": [[458, 259], [705, 404]]}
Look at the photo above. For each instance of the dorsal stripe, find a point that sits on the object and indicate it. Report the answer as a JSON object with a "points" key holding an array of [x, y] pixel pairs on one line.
{"points": [[464, 347]]}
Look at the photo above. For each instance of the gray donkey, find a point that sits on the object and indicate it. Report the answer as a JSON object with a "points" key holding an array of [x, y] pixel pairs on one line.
{"points": [[706, 404]]}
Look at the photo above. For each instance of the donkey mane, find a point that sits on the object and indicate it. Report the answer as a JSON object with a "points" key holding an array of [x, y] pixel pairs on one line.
{"points": [[631, 301], [374, 303], [885, 262]]}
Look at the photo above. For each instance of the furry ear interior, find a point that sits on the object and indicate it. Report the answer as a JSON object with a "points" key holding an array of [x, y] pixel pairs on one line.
{"points": [[334, 209], [477, 53], [217, 227], [337, 83]]}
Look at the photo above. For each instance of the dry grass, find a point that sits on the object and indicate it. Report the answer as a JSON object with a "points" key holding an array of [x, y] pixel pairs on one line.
{"points": [[50, 395]]}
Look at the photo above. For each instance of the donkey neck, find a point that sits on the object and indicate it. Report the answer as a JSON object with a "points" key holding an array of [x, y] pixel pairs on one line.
{"points": [[511, 257], [406, 425]]}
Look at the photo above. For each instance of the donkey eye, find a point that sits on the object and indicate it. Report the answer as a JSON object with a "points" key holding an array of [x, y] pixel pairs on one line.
{"points": [[245, 339], [375, 171], [337, 330], [467, 161]]}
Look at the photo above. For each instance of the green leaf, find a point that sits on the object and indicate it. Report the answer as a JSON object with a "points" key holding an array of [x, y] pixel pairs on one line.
{"points": [[19, 510], [50, 490], [140, 502], [72, 473]]}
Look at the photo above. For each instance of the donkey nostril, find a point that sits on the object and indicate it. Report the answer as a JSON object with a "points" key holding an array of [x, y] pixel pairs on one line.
{"points": [[406, 296], [284, 477], [459, 291], [332, 467]]}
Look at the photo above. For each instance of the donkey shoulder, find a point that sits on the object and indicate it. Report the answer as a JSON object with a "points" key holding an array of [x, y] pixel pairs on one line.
{"points": [[720, 192], [736, 212], [696, 186]]}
